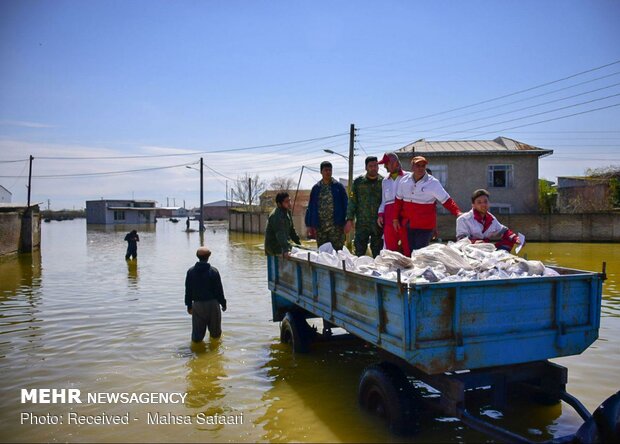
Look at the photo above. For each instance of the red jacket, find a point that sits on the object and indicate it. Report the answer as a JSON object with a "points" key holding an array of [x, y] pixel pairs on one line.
{"points": [[415, 201]]}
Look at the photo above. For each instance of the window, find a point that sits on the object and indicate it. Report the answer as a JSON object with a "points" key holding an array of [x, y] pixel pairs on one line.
{"points": [[440, 172], [500, 176], [500, 208], [119, 215]]}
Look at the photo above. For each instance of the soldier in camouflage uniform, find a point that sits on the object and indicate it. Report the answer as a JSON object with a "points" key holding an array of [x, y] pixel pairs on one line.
{"points": [[363, 206], [325, 217]]}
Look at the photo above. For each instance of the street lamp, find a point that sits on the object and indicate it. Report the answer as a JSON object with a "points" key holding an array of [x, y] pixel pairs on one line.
{"points": [[350, 160], [337, 154], [201, 226]]}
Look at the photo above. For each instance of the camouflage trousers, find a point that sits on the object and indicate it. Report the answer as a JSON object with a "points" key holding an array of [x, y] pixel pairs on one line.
{"points": [[333, 234], [364, 234]]}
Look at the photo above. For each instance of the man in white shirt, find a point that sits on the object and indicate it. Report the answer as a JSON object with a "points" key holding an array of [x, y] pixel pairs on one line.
{"points": [[395, 240], [416, 195]]}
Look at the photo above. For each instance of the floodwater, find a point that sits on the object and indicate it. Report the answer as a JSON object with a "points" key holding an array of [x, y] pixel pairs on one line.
{"points": [[76, 315]]}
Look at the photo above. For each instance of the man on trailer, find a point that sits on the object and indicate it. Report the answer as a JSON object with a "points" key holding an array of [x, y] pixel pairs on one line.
{"points": [[364, 203], [327, 209], [478, 225], [394, 240], [415, 204]]}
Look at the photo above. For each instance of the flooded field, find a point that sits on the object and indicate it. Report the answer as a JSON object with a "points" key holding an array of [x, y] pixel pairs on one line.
{"points": [[77, 315]]}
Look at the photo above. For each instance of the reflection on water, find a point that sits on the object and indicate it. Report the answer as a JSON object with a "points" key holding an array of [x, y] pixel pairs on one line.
{"points": [[132, 273], [77, 315]]}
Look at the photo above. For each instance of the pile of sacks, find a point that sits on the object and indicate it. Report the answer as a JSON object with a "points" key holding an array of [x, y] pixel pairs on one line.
{"points": [[455, 261]]}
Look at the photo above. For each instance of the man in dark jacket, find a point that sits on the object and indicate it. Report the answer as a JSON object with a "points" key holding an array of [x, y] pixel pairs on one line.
{"points": [[280, 229], [203, 296], [132, 240], [327, 209]]}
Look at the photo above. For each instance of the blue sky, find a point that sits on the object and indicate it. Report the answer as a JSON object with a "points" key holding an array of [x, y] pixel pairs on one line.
{"points": [[118, 78]]}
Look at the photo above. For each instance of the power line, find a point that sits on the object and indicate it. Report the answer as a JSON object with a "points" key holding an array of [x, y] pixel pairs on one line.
{"points": [[404, 130], [193, 153], [552, 119], [14, 161], [533, 115], [496, 98], [529, 107], [107, 173]]}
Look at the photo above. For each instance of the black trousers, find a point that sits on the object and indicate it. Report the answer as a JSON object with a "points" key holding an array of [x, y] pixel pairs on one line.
{"points": [[206, 314]]}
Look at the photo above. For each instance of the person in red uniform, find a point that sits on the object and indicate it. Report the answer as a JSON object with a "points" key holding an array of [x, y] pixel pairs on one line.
{"points": [[415, 204], [395, 240]]}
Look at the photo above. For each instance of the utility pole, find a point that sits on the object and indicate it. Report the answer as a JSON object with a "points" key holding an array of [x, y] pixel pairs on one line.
{"points": [[351, 144], [30, 179], [202, 209], [250, 192], [350, 182]]}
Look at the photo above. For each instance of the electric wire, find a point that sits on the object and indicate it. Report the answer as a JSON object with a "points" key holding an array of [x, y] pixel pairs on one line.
{"points": [[497, 98], [403, 130], [106, 173]]}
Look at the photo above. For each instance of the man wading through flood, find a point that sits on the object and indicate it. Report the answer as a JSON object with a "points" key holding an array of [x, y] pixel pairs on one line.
{"points": [[132, 240], [203, 296]]}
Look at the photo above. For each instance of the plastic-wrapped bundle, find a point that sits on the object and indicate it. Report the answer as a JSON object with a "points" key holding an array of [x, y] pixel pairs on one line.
{"points": [[452, 262]]}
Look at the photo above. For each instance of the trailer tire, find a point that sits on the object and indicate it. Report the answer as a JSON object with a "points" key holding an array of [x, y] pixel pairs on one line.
{"points": [[607, 418], [385, 392], [604, 424], [295, 330]]}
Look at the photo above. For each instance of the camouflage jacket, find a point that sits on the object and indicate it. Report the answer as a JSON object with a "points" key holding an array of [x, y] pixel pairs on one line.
{"points": [[279, 232], [365, 200]]}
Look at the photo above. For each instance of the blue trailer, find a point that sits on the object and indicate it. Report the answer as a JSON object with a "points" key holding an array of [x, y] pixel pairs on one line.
{"points": [[452, 336]]}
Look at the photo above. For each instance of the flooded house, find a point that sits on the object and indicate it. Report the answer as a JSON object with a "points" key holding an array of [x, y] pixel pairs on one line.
{"points": [[120, 211]]}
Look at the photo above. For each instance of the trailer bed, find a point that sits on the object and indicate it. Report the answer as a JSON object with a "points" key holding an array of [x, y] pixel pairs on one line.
{"points": [[440, 327]]}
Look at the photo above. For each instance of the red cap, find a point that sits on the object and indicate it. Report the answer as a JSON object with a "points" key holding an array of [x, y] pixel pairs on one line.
{"points": [[387, 157]]}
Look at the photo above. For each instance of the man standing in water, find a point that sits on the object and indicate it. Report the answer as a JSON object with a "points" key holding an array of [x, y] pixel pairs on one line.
{"points": [[280, 229], [203, 296], [132, 240]]}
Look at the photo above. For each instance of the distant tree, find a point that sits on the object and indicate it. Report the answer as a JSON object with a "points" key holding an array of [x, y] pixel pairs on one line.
{"points": [[611, 172], [547, 197], [608, 172], [282, 183], [248, 189]]}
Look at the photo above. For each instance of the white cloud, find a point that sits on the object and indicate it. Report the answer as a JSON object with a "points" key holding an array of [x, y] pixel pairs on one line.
{"points": [[25, 124]]}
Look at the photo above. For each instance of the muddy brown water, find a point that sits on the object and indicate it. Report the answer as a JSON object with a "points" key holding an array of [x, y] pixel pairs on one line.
{"points": [[76, 315]]}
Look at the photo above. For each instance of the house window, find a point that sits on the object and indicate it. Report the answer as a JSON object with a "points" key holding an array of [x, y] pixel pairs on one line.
{"points": [[500, 176], [500, 208], [119, 215], [440, 172]]}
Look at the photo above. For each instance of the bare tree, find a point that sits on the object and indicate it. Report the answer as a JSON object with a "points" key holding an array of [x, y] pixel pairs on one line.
{"points": [[282, 183], [608, 172], [248, 189]]}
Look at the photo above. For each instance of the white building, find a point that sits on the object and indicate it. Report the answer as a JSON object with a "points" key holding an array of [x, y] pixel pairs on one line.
{"points": [[5, 195]]}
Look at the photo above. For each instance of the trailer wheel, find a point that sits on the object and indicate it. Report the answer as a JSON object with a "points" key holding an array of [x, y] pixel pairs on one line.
{"points": [[385, 392], [604, 425], [295, 330]]}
